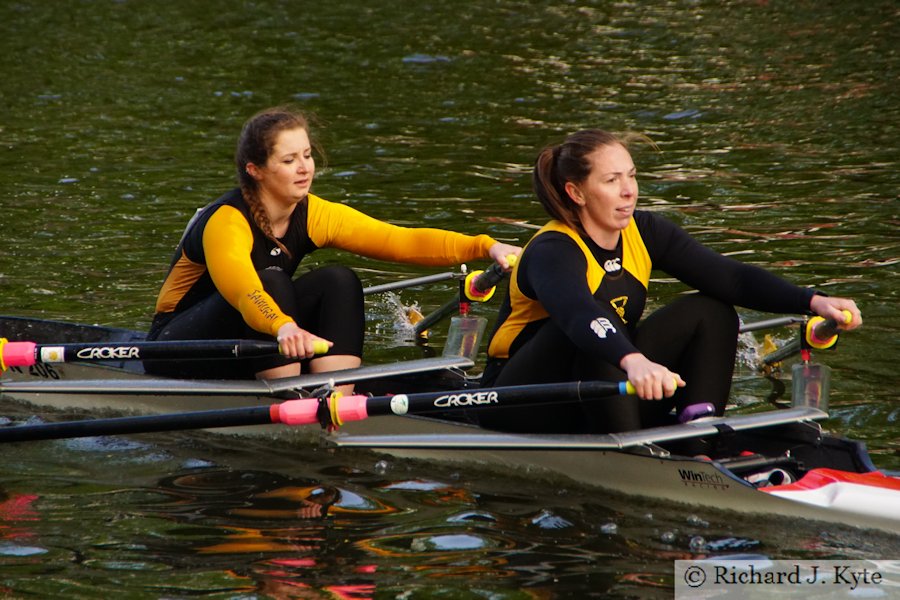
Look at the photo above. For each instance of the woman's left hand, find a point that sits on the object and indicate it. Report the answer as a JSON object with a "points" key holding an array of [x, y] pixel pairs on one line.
{"points": [[828, 307], [501, 252]]}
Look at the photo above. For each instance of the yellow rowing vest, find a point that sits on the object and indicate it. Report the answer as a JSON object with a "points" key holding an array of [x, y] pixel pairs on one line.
{"points": [[525, 310]]}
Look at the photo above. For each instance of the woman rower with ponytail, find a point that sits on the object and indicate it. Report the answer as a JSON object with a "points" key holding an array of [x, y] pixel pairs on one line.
{"points": [[232, 273], [578, 292]]}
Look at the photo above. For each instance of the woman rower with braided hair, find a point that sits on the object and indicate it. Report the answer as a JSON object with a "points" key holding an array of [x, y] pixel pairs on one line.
{"points": [[577, 295], [232, 273]]}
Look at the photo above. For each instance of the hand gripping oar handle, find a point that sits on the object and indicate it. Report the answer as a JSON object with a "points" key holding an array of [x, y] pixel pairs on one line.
{"points": [[822, 333], [26, 354], [327, 412]]}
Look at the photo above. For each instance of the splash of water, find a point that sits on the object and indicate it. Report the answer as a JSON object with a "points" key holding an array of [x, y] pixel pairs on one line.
{"points": [[394, 321]]}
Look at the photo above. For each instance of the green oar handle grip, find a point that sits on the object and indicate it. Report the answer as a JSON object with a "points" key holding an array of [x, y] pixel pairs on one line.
{"points": [[823, 333]]}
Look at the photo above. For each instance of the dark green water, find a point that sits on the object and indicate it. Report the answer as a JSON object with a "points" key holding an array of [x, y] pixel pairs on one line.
{"points": [[777, 125]]}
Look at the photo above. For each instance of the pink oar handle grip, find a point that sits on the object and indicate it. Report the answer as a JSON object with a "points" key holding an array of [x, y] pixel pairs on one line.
{"points": [[303, 411], [16, 354]]}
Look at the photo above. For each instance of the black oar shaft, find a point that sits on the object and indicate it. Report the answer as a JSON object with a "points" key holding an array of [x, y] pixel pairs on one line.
{"points": [[23, 354], [207, 419], [170, 350], [499, 397], [822, 333], [432, 318], [489, 278]]}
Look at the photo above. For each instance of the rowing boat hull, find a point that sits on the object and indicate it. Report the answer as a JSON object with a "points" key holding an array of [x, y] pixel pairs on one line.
{"points": [[654, 470], [690, 481]]}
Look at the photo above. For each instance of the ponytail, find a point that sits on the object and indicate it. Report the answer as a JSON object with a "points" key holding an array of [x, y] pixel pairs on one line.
{"points": [[551, 190]]}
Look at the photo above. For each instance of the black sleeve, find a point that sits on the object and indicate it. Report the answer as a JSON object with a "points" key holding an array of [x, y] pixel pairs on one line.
{"points": [[674, 251], [552, 271]]}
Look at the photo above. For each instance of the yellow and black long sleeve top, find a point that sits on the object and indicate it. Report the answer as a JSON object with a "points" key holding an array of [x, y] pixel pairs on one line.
{"points": [[223, 248], [597, 296]]}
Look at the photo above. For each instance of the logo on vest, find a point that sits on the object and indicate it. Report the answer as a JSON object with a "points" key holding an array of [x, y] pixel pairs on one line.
{"points": [[618, 305], [275, 251], [612, 265], [601, 325]]}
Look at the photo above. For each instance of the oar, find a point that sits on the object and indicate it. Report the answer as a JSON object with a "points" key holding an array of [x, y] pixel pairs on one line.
{"points": [[769, 324], [327, 412], [818, 332], [399, 285], [479, 286], [26, 354]]}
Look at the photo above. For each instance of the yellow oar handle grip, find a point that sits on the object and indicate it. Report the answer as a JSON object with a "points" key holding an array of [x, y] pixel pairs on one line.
{"points": [[822, 333]]}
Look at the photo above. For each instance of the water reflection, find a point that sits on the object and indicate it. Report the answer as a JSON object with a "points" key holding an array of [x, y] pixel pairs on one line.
{"points": [[298, 536], [285, 531], [291, 532], [17, 511]]}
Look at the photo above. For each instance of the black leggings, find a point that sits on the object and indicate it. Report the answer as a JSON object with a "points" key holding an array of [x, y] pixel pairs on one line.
{"points": [[695, 336], [327, 302]]}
